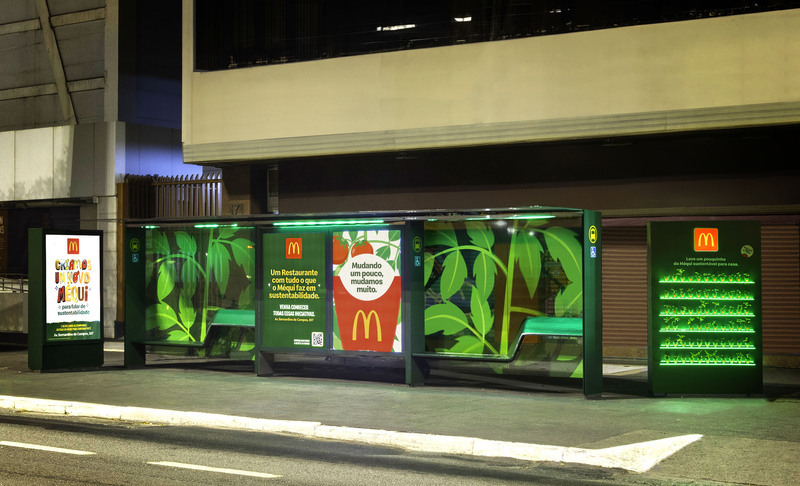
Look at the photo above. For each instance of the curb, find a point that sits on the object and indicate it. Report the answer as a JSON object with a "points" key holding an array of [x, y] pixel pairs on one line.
{"points": [[639, 457]]}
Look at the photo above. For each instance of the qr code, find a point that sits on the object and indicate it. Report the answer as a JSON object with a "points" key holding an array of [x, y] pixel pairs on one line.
{"points": [[316, 339]]}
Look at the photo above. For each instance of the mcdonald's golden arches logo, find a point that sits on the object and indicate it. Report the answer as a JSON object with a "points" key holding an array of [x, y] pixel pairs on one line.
{"points": [[294, 248], [706, 239], [367, 319], [73, 246]]}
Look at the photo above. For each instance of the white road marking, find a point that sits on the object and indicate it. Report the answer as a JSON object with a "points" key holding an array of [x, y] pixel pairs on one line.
{"points": [[45, 448], [214, 469]]}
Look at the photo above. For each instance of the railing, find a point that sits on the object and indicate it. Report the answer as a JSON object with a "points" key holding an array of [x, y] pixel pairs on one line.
{"points": [[13, 283], [173, 197]]}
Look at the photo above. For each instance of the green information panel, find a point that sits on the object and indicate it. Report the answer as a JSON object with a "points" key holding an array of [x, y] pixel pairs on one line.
{"points": [[294, 290], [704, 293]]}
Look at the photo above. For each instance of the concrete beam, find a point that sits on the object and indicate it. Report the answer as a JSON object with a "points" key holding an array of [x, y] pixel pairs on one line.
{"points": [[67, 108]]}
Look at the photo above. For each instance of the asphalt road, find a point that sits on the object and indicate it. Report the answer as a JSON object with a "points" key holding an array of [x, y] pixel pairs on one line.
{"points": [[40, 450]]}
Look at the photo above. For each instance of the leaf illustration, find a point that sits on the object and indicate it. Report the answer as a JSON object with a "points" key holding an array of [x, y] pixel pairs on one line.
{"points": [[394, 236], [528, 250], [384, 253], [453, 274], [484, 270], [481, 313], [442, 234], [189, 277], [570, 301], [467, 345], [446, 318], [187, 312], [158, 242], [480, 235], [166, 280], [244, 254], [178, 335], [160, 316], [186, 243], [227, 233], [219, 265], [429, 261], [564, 246], [246, 297]]}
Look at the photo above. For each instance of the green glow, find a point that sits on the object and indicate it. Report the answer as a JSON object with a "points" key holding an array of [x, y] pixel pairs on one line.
{"points": [[706, 364], [342, 222], [216, 225], [151, 226], [532, 216]]}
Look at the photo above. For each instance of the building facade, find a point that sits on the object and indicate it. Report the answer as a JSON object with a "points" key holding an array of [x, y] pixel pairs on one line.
{"points": [[643, 115]]}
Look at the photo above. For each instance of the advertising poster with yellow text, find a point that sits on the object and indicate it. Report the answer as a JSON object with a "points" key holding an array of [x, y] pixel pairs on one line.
{"points": [[73, 294], [366, 290], [294, 290]]}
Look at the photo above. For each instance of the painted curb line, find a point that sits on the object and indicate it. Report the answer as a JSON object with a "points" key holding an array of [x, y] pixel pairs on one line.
{"points": [[638, 457]]}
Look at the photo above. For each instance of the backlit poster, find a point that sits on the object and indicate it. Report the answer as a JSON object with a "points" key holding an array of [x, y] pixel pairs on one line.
{"points": [[366, 290], [294, 290], [73, 280]]}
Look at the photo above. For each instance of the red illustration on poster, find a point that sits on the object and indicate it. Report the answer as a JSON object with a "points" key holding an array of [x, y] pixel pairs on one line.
{"points": [[367, 290]]}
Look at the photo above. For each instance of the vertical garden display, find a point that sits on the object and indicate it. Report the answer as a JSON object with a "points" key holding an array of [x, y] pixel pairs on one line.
{"points": [[705, 307], [484, 277], [191, 274], [366, 290]]}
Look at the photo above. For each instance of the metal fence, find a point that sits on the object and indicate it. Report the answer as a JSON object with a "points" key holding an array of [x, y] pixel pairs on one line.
{"points": [[173, 196]]}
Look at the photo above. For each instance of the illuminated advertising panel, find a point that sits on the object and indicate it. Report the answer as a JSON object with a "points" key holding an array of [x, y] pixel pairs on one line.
{"points": [[366, 290], [73, 307], [705, 307], [294, 290]]}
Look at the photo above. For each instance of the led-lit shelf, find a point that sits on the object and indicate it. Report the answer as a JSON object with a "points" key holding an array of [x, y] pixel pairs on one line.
{"points": [[726, 282], [706, 364], [697, 314], [723, 348], [710, 299], [705, 331]]}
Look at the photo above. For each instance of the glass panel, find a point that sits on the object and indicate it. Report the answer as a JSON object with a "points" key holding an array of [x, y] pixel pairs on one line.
{"points": [[484, 278], [193, 273]]}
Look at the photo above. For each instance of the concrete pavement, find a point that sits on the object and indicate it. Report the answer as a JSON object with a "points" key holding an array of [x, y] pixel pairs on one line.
{"points": [[461, 409]]}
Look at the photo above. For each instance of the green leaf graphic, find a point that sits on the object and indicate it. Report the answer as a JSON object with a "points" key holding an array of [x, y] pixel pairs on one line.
{"points": [[467, 345], [186, 243], [453, 274], [564, 246], [429, 261], [244, 254], [159, 243], [481, 314], [479, 234], [445, 317], [166, 280], [528, 251], [219, 265], [187, 312], [484, 270], [444, 234]]}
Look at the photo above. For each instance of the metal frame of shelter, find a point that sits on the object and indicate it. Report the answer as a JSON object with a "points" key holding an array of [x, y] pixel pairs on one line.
{"points": [[398, 244]]}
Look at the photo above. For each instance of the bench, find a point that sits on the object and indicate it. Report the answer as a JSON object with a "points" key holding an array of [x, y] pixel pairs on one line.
{"points": [[559, 327], [223, 318]]}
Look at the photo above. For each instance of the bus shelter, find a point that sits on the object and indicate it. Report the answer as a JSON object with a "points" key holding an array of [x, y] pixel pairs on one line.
{"points": [[418, 285]]}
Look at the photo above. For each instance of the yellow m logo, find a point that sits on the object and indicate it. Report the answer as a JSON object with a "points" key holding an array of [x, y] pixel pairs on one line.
{"points": [[367, 318]]}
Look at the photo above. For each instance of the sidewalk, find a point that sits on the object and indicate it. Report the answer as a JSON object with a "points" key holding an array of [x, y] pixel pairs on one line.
{"points": [[460, 409]]}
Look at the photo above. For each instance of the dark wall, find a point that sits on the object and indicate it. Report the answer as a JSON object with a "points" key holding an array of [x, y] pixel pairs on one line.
{"points": [[150, 62], [754, 167]]}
